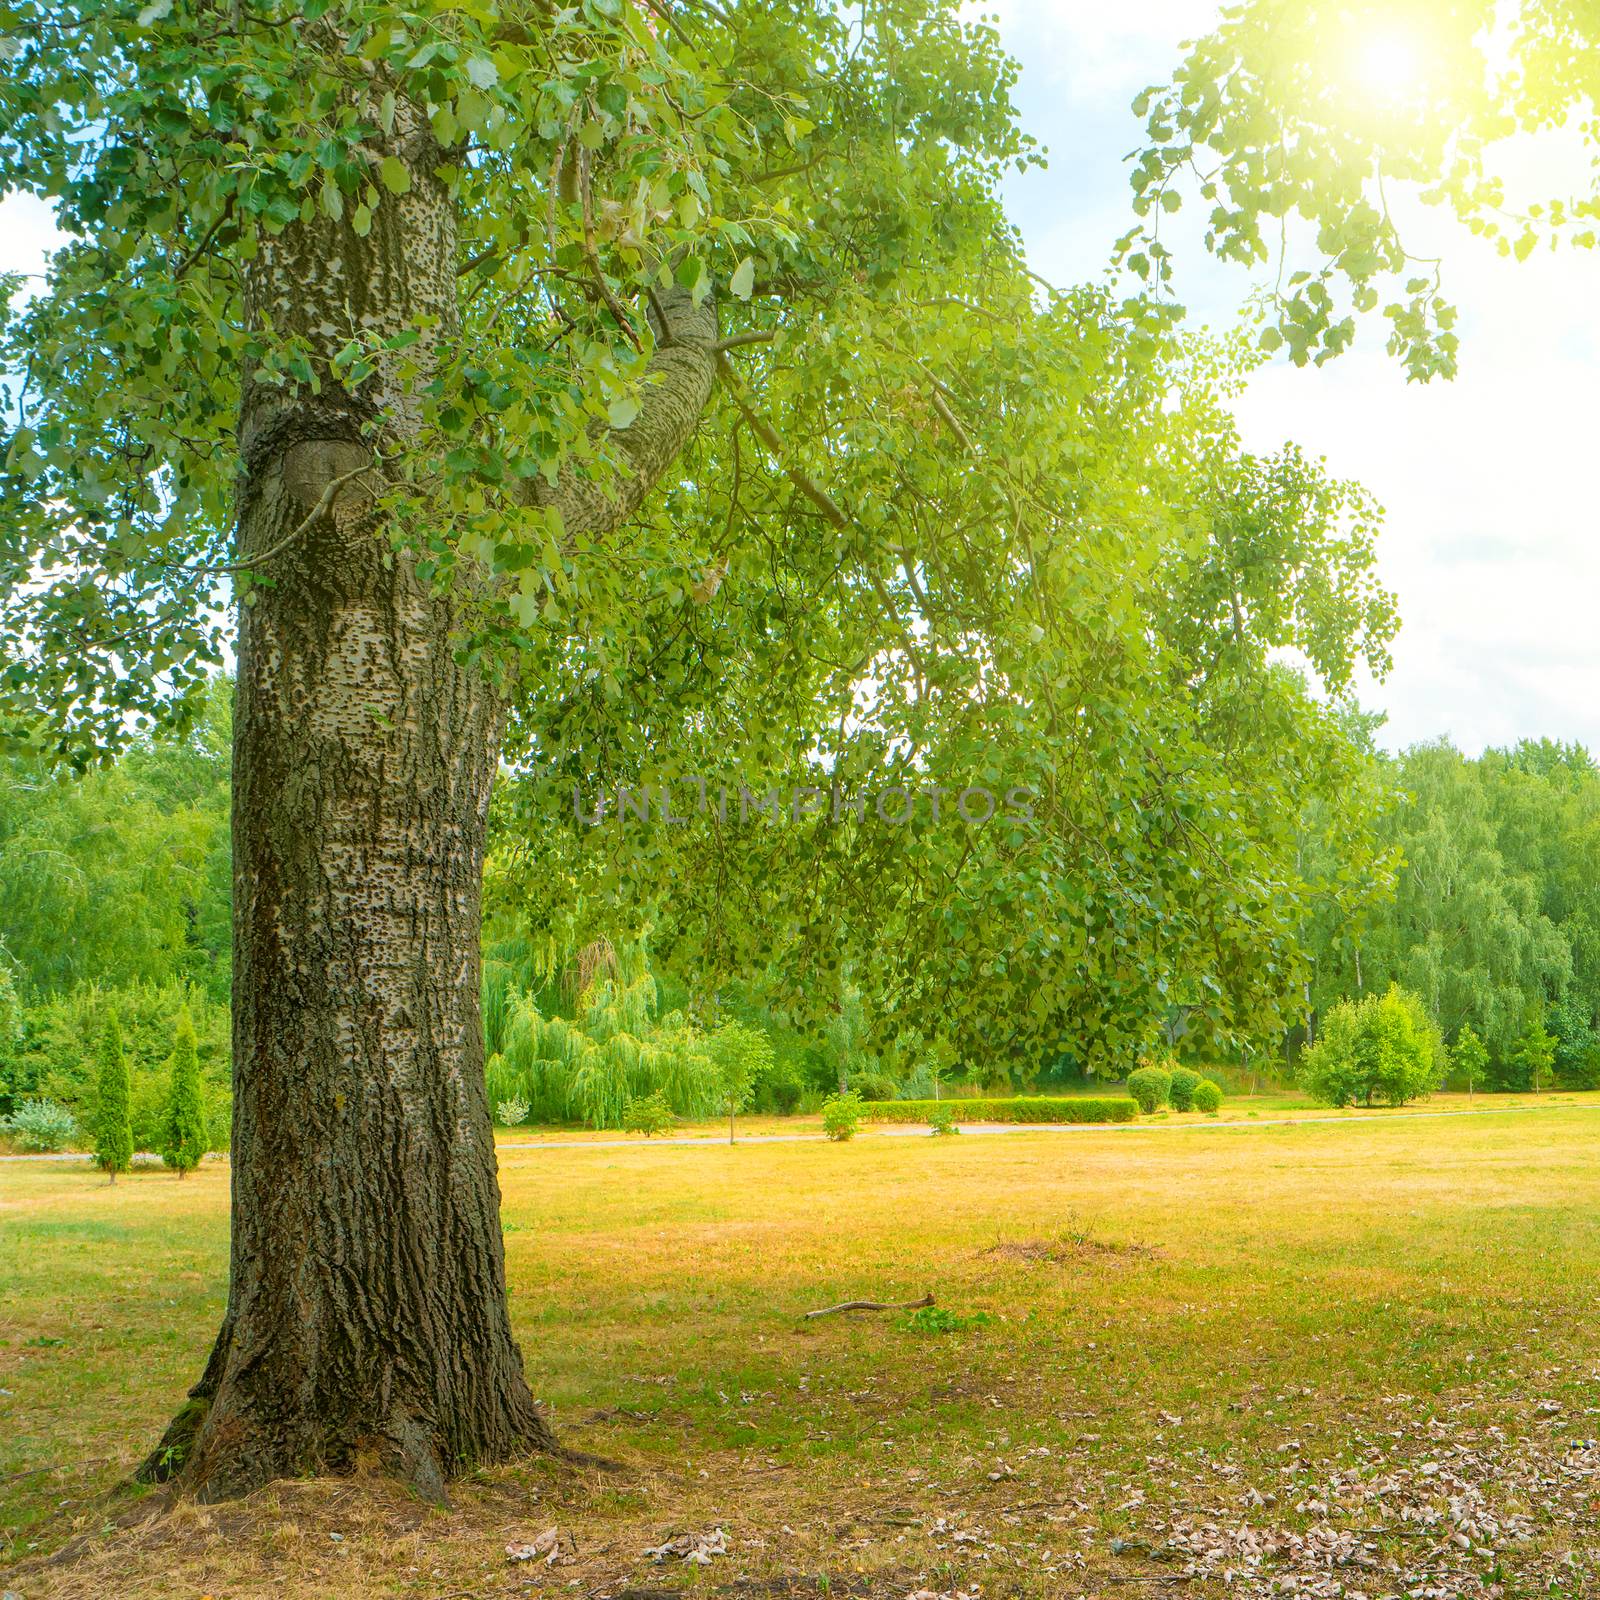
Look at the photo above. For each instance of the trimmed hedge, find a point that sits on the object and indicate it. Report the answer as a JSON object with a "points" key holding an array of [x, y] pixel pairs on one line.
{"points": [[1018, 1109]]}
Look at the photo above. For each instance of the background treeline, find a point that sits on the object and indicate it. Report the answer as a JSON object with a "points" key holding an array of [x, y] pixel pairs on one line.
{"points": [[114, 895], [1495, 914]]}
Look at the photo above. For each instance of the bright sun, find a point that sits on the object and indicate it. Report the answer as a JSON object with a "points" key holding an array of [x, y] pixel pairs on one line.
{"points": [[1389, 65]]}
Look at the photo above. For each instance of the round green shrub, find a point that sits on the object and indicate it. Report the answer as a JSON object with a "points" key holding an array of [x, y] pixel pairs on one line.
{"points": [[1150, 1086], [1208, 1097], [1184, 1084]]}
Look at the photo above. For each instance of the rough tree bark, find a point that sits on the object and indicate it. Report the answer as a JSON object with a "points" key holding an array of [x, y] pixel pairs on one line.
{"points": [[367, 1317]]}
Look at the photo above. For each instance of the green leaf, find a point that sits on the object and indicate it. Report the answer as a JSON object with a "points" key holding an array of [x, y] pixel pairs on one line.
{"points": [[743, 280], [396, 175]]}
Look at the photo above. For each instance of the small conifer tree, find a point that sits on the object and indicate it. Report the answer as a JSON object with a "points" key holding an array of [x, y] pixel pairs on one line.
{"points": [[113, 1131], [186, 1109]]}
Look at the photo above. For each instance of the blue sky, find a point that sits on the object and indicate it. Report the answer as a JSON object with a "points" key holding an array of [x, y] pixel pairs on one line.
{"points": [[1488, 481]]}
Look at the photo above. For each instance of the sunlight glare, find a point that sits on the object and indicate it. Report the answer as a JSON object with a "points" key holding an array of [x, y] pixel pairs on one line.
{"points": [[1389, 65]]}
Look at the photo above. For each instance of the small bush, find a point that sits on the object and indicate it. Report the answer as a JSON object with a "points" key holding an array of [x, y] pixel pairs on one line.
{"points": [[1184, 1083], [1150, 1086], [41, 1126], [1208, 1097], [1019, 1108], [942, 1119], [648, 1114], [512, 1113], [841, 1114]]}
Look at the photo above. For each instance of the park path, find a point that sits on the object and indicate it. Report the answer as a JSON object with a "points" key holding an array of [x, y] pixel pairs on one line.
{"points": [[917, 1131]]}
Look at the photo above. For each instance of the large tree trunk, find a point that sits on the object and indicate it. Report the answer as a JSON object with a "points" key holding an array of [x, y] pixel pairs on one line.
{"points": [[367, 1309], [367, 1315]]}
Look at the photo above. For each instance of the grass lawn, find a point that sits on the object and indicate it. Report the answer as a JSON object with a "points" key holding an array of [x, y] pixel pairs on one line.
{"points": [[1348, 1358]]}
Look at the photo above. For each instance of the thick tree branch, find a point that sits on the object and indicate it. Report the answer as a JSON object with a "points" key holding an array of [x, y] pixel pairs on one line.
{"points": [[676, 388]]}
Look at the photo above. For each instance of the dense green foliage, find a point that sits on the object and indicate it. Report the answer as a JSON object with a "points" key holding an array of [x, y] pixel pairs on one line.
{"points": [[11, 1030], [615, 1047], [185, 1142], [1577, 1043], [121, 876], [1207, 1097], [113, 1132], [1496, 906], [1150, 1087], [1383, 1048], [60, 1051], [1020, 1108], [1180, 1091], [1494, 914]]}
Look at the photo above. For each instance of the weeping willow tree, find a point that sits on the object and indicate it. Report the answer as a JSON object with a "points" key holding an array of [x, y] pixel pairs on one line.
{"points": [[614, 1047]]}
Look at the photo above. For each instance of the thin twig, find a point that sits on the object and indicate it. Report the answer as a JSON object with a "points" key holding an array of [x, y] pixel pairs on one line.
{"points": [[323, 506], [768, 435], [948, 417]]}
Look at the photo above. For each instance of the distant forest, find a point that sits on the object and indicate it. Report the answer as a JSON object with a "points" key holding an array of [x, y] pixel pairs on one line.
{"points": [[114, 889]]}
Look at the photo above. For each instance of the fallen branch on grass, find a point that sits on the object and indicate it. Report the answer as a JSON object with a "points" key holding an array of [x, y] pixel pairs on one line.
{"points": [[873, 1305]]}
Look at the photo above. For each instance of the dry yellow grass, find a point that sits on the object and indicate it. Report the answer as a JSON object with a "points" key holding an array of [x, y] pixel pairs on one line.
{"points": [[1150, 1331]]}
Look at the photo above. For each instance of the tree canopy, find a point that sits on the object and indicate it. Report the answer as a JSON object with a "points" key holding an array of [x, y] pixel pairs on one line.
{"points": [[943, 527]]}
